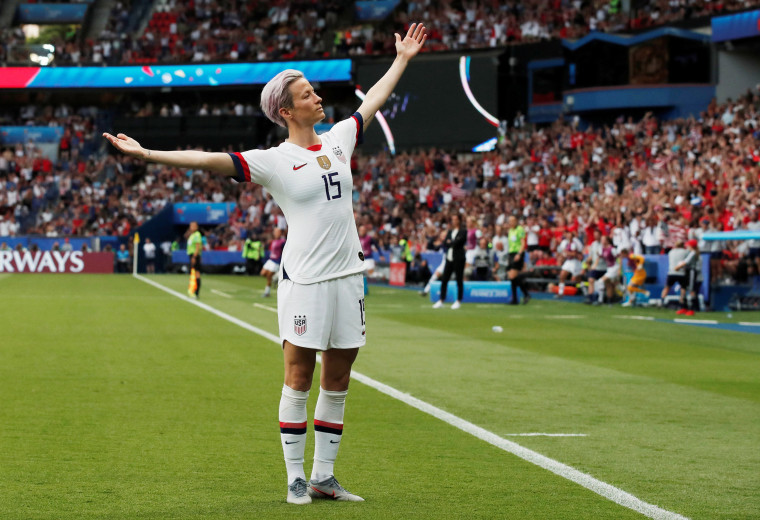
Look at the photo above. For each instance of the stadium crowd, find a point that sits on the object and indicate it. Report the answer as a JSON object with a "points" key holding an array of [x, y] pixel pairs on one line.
{"points": [[231, 30], [647, 185]]}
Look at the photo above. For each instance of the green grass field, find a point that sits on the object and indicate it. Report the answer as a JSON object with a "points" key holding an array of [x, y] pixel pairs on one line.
{"points": [[118, 400]]}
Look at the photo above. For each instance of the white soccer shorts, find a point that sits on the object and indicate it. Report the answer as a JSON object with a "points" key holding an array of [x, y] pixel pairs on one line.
{"points": [[612, 273], [322, 315], [369, 265], [272, 266]]}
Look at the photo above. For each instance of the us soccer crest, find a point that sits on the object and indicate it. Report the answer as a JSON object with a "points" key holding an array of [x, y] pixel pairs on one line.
{"points": [[299, 325], [339, 154], [324, 162]]}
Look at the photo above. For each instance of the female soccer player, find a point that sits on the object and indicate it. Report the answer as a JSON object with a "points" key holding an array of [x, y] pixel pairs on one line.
{"points": [[320, 297]]}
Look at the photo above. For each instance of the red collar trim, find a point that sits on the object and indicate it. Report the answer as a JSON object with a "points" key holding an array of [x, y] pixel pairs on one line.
{"points": [[315, 148]]}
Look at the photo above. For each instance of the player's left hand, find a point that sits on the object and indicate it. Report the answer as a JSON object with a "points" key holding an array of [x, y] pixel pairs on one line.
{"points": [[412, 42]]}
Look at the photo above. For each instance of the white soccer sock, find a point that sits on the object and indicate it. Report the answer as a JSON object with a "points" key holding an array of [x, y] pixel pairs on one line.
{"points": [[293, 430], [267, 290], [328, 430], [561, 290]]}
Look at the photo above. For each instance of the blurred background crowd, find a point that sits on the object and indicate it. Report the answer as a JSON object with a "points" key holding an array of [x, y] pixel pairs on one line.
{"points": [[644, 182], [230, 30]]}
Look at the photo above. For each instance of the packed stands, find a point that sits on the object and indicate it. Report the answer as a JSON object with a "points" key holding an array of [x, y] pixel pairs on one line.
{"points": [[235, 30], [645, 184]]}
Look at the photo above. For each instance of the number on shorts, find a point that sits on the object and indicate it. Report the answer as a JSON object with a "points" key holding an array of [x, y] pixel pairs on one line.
{"points": [[361, 310]]}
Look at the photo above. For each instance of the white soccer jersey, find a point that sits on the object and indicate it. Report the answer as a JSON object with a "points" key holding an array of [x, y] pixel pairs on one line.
{"points": [[313, 188]]}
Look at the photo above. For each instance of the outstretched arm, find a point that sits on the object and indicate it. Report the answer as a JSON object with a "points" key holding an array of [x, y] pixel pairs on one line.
{"points": [[216, 162], [406, 49]]}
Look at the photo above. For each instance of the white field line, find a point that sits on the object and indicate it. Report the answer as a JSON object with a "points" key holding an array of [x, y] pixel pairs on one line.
{"points": [[643, 318], [564, 317], [750, 323], [545, 435], [705, 322], [220, 293], [223, 315], [597, 486], [265, 307]]}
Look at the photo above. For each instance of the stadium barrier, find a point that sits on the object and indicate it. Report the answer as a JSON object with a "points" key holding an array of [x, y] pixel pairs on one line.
{"points": [[474, 292], [55, 262]]}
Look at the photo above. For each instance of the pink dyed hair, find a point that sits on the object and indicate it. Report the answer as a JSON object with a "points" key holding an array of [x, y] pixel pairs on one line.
{"points": [[276, 95]]}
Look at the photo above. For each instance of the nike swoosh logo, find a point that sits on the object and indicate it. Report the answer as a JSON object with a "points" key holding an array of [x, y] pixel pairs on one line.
{"points": [[334, 442], [299, 167], [291, 442], [325, 494]]}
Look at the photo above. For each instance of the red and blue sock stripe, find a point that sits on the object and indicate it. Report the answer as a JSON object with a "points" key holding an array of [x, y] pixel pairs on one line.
{"points": [[293, 428], [328, 427]]}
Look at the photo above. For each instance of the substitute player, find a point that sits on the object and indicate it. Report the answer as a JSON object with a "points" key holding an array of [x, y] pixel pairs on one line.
{"points": [[194, 249], [441, 265], [320, 295], [272, 265]]}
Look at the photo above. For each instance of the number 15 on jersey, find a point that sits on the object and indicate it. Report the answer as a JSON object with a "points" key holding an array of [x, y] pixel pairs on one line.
{"points": [[330, 183]]}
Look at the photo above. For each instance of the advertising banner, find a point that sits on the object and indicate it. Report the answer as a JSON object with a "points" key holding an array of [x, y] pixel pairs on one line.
{"points": [[55, 262], [398, 274], [474, 292], [374, 9], [24, 134], [51, 14], [211, 257], [202, 212], [193, 75], [736, 26]]}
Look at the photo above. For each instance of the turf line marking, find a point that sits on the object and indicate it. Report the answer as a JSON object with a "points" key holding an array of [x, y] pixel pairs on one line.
{"points": [[750, 323], [223, 315], [597, 486], [643, 318], [564, 317], [706, 322], [545, 435], [220, 293], [603, 489], [265, 307]]}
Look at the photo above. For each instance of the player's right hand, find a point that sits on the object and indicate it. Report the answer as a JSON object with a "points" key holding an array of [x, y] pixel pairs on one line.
{"points": [[126, 144]]}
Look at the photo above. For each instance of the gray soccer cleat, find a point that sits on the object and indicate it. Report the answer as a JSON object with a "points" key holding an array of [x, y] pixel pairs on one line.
{"points": [[329, 488], [297, 492]]}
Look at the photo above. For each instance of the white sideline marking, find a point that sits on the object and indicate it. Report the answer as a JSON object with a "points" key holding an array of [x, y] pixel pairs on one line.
{"points": [[265, 307], [643, 318], [603, 489], [545, 435], [223, 315], [750, 323], [706, 322], [220, 293], [564, 317]]}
